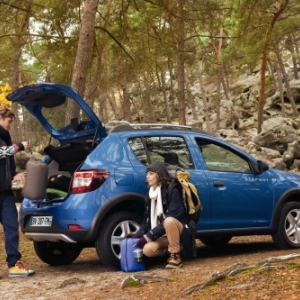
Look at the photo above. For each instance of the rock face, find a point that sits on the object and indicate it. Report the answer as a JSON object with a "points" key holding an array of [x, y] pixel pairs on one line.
{"points": [[279, 141], [277, 133]]}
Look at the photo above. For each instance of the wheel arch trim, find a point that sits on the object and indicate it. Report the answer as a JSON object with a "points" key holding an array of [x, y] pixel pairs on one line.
{"points": [[287, 196], [108, 207]]}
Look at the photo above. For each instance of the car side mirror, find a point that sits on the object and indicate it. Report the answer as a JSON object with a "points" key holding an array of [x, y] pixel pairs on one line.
{"points": [[261, 167]]}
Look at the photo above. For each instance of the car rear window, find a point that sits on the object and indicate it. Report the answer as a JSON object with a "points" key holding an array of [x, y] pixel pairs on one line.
{"points": [[168, 149]]}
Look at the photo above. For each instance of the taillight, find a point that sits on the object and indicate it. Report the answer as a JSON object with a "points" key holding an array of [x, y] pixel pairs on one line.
{"points": [[75, 227], [88, 180]]}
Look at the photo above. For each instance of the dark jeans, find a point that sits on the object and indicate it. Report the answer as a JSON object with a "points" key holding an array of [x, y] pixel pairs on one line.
{"points": [[9, 220]]}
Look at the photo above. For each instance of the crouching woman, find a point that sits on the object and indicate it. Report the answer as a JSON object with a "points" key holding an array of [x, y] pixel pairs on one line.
{"points": [[164, 217]]}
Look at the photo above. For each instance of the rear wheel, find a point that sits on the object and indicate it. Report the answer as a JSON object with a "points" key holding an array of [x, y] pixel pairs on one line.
{"points": [[57, 254], [287, 235], [113, 230], [215, 241]]}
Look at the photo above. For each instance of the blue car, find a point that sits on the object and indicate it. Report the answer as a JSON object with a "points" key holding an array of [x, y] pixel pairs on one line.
{"points": [[104, 202]]}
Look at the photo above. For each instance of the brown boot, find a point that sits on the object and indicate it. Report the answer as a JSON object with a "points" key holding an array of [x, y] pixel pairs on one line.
{"points": [[174, 261]]}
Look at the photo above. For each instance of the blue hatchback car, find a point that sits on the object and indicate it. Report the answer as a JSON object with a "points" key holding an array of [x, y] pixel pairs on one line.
{"points": [[105, 199]]}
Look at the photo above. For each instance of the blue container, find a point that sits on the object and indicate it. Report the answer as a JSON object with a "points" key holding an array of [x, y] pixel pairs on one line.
{"points": [[131, 256]]}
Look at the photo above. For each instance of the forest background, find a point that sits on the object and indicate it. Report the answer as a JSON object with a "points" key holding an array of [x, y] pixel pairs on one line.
{"points": [[147, 60]]}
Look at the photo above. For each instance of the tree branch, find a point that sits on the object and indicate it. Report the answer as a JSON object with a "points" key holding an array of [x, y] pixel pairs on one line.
{"points": [[36, 35], [120, 45], [238, 268]]}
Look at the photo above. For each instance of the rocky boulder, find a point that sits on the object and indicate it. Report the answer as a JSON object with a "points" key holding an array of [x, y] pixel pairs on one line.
{"points": [[277, 133]]}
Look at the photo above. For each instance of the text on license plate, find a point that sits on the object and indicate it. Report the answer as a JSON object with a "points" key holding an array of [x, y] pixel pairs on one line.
{"points": [[41, 221]]}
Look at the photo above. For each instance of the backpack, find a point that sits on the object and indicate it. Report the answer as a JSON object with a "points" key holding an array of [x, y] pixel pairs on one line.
{"points": [[192, 203]]}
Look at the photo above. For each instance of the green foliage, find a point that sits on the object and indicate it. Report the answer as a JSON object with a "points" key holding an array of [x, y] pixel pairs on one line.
{"points": [[135, 45], [250, 270], [132, 283], [293, 266], [4, 91]]}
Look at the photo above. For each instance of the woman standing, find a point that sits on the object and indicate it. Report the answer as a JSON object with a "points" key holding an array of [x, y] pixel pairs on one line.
{"points": [[8, 210]]}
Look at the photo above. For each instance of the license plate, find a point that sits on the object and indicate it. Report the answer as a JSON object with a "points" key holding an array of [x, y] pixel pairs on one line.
{"points": [[45, 221]]}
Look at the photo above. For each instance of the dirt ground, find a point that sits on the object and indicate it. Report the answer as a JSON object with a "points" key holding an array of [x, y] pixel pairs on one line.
{"points": [[87, 278]]}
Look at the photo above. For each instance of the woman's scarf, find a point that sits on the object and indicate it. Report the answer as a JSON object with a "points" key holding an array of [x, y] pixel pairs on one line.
{"points": [[156, 205]]}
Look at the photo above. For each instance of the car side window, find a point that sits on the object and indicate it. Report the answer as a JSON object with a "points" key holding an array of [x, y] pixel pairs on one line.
{"points": [[218, 158], [139, 150], [168, 149]]}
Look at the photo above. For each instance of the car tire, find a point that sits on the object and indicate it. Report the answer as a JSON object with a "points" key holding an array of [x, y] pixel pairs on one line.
{"points": [[287, 235], [57, 254], [113, 230], [215, 241]]}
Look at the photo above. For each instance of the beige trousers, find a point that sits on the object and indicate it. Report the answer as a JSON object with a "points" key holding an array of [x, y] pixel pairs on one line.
{"points": [[169, 242]]}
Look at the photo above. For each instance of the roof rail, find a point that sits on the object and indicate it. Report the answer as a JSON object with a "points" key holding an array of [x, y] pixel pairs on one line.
{"points": [[160, 125], [128, 127]]}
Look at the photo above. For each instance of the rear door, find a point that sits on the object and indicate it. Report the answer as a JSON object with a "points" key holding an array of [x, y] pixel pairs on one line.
{"points": [[173, 149]]}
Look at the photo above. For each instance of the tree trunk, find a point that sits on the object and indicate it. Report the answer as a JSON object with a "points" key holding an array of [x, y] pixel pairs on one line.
{"points": [[171, 97], [83, 54], [113, 104], [204, 98], [180, 63], [271, 71], [225, 86], [218, 106], [281, 92], [297, 52], [163, 85], [222, 75], [149, 113], [97, 76], [289, 43], [190, 101], [217, 47], [261, 102], [287, 83], [17, 131], [126, 101]]}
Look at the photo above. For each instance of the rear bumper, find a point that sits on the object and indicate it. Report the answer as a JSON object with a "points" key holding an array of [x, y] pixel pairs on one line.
{"points": [[54, 233], [49, 237]]}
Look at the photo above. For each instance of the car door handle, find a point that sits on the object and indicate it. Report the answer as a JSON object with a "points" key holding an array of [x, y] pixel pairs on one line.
{"points": [[218, 183]]}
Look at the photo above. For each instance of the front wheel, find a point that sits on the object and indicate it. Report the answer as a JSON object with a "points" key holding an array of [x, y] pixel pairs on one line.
{"points": [[57, 253], [113, 230], [287, 235]]}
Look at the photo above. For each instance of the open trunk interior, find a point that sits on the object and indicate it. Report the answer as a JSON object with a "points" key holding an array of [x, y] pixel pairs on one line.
{"points": [[63, 162]]}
